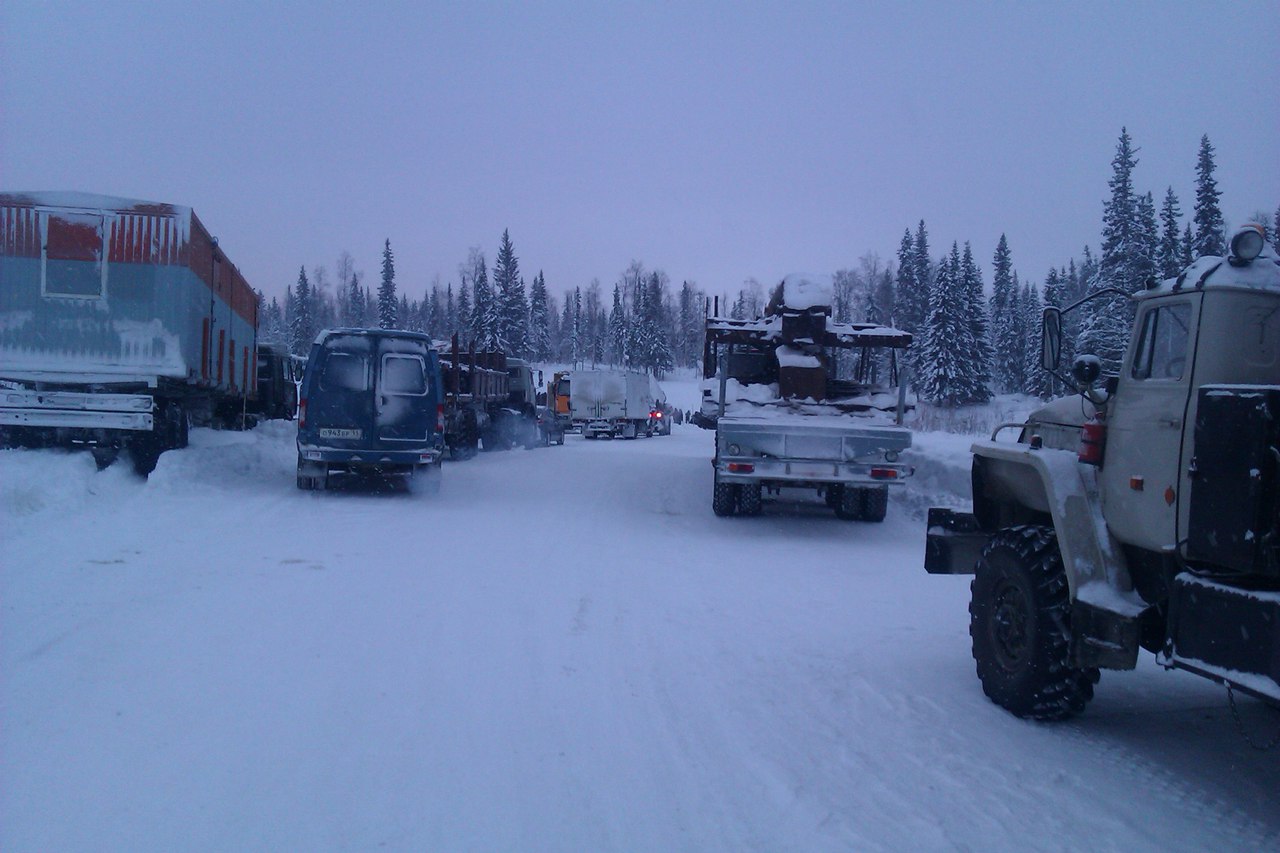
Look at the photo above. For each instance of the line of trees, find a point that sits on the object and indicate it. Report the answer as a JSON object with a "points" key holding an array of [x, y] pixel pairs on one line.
{"points": [[968, 345]]}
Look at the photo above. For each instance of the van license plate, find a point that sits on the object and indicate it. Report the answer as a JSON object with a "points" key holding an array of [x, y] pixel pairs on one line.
{"points": [[326, 432]]}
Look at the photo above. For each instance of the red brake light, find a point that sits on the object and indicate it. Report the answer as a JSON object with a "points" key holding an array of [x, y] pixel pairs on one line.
{"points": [[1093, 442], [741, 467], [884, 474], [440, 417], [302, 413]]}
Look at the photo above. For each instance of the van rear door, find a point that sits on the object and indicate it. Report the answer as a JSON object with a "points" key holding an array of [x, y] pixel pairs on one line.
{"points": [[404, 400], [340, 408]]}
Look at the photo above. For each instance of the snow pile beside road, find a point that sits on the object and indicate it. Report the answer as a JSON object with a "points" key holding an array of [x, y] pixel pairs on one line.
{"points": [[230, 460], [942, 462]]}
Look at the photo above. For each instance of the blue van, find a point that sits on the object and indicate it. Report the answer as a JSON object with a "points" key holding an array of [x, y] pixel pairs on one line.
{"points": [[371, 402]]}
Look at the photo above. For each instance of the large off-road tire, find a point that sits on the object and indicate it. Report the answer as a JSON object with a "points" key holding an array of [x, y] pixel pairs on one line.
{"points": [[1019, 619], [724, 498], [833, 494], [104, 455], [850, 505], [145, 452], [750, 500], [875, 503]]}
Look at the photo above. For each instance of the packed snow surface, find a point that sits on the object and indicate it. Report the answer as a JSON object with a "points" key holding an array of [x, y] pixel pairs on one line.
{"points": [[564, 650]]}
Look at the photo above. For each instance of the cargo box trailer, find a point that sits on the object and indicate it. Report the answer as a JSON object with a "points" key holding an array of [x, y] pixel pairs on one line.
{"points": [[121, 323]]}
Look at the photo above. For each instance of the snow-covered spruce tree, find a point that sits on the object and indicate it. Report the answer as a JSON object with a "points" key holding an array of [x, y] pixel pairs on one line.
{"points": [[593, 323], [658, 357], [944, 373], [979, 356], [1208, 238], [689, 326], [354, 297], [302, 329], [464, 313], [565, 346], [1170, 255], [576, 334], [539, 320], [1275, 235], [1147, 262], [388, 307], [617, 328], [1039, 380], [409, 314], [554, 331], [911, 311], [1008, 347], [1018, 337], [1188, 246], [485, 326], [1105, 322], [512, 304]]}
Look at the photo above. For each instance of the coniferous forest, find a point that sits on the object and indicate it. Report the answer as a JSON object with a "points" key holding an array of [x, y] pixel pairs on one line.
{"points": [[970, 341]]}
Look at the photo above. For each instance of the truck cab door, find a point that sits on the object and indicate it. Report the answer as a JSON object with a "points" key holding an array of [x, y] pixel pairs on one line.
{"points": [[1146, 424]]}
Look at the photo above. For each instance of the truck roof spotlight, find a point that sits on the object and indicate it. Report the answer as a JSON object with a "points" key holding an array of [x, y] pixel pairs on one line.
{"points": [[1246, 244]]}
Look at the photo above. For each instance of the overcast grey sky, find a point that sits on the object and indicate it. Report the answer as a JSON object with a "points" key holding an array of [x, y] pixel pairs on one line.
{"points": [[716, 141]]}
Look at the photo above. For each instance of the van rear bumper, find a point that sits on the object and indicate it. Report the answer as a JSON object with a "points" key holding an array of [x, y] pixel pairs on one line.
{"points": [[371, 458]]}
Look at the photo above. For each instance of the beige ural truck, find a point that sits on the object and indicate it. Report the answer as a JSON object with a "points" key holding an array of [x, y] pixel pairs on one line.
{"points": [[1143, 513]]}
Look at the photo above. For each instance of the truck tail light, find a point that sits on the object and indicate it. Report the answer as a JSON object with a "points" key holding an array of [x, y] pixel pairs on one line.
{"points": [[1093, 442], [302, 413], [884, 473], [741, 467], [440, 417]]}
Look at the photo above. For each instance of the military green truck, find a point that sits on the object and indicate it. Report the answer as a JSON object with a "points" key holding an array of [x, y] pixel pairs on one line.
{"points": [[1143, 513]]}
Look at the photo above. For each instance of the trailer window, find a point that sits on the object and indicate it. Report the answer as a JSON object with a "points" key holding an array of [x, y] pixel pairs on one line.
{"points": [[1162, 346], [345, 371], [73, 263], [404, 374]]}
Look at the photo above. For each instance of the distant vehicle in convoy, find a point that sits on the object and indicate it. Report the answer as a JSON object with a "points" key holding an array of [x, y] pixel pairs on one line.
{"points": [[277, 397], [660, 419], [1145, 515], [799, 401], [550, 428], [489, 401], [122, 323], [613, 403], [558, 398], [372, 403]]}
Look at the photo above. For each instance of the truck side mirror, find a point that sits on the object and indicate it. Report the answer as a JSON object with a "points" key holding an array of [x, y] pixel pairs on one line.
{"points": [[1050, 338]]}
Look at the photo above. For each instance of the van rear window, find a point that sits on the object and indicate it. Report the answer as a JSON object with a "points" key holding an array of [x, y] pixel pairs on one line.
{"points": [[404, 374], [345, 371]]}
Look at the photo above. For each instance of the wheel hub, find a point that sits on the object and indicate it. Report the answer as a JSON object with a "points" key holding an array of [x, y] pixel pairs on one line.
{"points": [[1010, 631]]}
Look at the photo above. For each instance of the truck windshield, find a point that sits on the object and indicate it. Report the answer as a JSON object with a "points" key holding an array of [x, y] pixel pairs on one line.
{"points": [[345, 371]]}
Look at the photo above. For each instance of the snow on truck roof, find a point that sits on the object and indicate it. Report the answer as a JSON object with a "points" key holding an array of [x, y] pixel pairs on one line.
{"points": [[91, 201], [1211, 271], [802, 291]]}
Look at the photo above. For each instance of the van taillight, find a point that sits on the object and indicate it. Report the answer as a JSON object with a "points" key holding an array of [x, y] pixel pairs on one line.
{"points": [[439, 417], [302, 413], [1093, 442]]}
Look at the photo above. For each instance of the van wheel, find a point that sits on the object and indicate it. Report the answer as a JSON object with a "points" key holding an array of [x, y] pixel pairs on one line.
{"points": [[1019, 619], [724, 498], [834, 494]]}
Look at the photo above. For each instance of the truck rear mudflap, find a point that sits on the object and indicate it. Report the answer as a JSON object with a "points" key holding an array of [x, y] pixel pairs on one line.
{"points": [[72, 410], [1228, 634]]}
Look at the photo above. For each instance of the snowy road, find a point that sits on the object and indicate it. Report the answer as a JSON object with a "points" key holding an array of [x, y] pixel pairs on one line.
{"points": [[565, 650]]}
